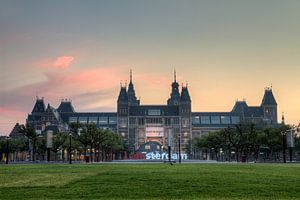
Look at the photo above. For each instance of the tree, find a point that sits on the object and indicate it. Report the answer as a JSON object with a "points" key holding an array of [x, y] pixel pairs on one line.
{"points": [[111, 144], [31, 134], [58, 141]]}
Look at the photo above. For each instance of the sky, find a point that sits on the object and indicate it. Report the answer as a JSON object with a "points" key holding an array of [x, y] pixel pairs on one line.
{"points": [[81, 50]]}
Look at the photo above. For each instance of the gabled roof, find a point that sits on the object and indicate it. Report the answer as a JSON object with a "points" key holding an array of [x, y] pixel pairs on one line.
{"points": [[268, 98]]}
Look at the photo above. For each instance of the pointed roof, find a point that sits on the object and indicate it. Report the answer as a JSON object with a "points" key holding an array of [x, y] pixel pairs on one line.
{"points": [[131, 92], [130, 86], [185, 96], [52, 111], [175, 95], [268, 99], [239, 107], [65, 107], [39, 106], [16, 132], [123, 95]]}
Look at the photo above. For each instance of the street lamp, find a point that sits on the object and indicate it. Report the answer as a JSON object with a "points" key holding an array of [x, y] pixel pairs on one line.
{"points": [[70, 148], [283, 133], [7, 149], [179, 146]]}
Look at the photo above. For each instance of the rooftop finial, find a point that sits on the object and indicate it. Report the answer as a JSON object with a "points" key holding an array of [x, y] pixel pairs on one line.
{"points": [[186, 84], [130, 75], [120, 83], [282, 118]]}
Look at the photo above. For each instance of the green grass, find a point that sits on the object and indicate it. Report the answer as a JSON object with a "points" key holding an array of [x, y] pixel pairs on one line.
{"points": [[150, 181]]}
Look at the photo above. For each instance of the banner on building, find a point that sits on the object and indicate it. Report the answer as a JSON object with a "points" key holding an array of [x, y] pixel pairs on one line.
{"points": [[154, 132]]}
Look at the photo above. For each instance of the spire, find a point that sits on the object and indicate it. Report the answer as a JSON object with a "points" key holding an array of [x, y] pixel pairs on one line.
{"points": [[282, 119], [174, 75], [175, 95], [130, 75], [131, 92]]}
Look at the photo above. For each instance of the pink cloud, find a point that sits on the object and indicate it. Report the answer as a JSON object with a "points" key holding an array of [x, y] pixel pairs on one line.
{"points": [[63, 61], [91, 89]]}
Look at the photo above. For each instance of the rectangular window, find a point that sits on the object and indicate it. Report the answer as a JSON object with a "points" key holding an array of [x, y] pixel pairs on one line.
{"points": [[154, 112], [112, 120], [185, 122], [93, 120], [123, 122], [235, 119], [103, 120], [132, 121], [225, 119], [175, 121], [141, 121], [196, 120], [215, 119], [167, 121], [82, 120], [205, 119], [72, 119]]}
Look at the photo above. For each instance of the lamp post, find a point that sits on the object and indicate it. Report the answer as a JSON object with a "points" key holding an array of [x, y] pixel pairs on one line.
{"points": [[170, 138], [283, 133], [179, 146], [70, 149], [7, 149]]}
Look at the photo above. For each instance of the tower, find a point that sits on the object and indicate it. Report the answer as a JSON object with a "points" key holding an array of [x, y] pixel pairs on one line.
{"points": [[175, 95], [269, 107], [185, 115], [122, 113]]}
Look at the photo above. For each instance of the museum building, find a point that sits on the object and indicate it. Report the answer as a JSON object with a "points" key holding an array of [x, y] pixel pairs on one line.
{"points": [[140, 124]]}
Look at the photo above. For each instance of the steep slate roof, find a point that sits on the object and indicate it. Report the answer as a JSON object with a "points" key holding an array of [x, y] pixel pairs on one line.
{"points": [[123, 95], [16, 132], [268, 98], [39, 106], [239, 107], [185, 96], [53, 111], [65, 107]]}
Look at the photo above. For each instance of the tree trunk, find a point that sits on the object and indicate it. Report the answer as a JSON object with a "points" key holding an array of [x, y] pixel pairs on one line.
{"points": [[85, 147], [91, 153]]}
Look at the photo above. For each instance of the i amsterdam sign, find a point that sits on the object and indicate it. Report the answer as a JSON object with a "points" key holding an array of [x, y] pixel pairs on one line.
{"points": [[164, 156]]}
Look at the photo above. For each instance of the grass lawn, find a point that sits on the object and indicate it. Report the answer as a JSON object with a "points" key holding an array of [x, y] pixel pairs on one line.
{"points": [[150, 181]]}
